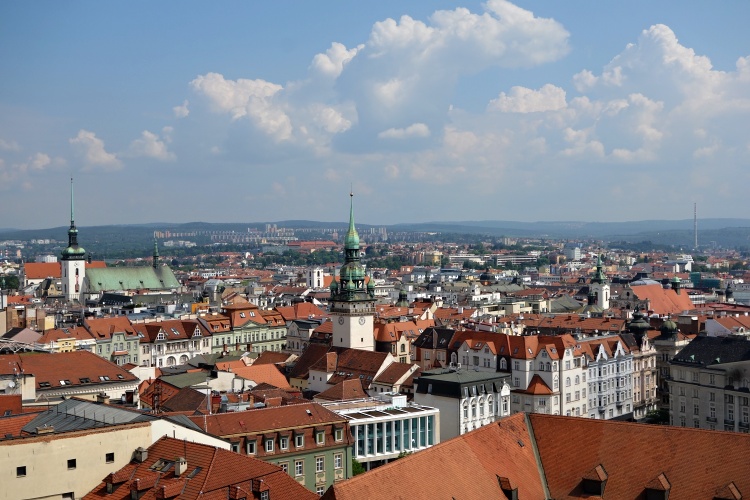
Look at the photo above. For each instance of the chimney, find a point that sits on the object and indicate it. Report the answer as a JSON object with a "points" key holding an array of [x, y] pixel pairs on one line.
{"points": [[46, 429], [180, 466], [102, 398], [141, 455]]}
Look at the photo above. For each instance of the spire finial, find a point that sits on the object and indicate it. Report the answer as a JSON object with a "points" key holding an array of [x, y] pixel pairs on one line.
{"points": [[71, 202]]}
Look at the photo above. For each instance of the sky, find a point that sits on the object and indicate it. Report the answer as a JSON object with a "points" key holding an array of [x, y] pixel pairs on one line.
{"points": [[182, 111]]}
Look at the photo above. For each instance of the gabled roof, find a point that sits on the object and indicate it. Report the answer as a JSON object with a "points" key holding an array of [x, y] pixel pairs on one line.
{"points": [[261, 373], [537, 387], [344, 390], [42, 270], [211, 474]]}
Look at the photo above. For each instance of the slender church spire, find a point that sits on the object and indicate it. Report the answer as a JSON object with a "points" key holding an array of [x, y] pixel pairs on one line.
{"points": [[73, 251]]}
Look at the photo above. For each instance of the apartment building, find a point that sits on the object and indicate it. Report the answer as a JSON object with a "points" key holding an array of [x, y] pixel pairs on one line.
{"points": [[709, 384]]}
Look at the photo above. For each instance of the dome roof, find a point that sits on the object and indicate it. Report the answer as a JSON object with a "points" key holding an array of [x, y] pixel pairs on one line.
{"points": [[669, 327]]}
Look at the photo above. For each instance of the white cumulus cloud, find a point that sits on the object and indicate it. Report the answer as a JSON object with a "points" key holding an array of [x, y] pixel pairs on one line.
{"points": [[182, 110], [332, 63], [524, 100], [94, 154], [149, 145], [246, 98], [413, 130]]}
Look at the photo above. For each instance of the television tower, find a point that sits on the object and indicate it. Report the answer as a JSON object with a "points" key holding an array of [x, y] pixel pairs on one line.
{"points": [[695, 225]]}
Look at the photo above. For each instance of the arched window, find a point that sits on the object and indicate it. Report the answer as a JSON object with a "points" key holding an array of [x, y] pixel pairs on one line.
{"points": [[578, 380], [541, 366], [183, 359], [503, 364], [171, 361], [555, 383], [567, 381], [549, 367]]}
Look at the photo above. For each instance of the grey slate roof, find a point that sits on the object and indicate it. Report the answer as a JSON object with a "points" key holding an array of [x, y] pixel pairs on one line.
{"points": [[76, 414], [704, 351], [449, 383]]}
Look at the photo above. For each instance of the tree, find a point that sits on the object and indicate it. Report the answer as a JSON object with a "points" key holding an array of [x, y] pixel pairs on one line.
{"points": [[357, 468], [11, 282]]}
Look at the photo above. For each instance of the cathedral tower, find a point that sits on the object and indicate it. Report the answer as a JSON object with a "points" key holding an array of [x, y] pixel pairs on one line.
{"points": [[73, 264]]}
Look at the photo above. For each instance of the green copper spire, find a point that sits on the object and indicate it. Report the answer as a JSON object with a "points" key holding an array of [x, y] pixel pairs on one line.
{"points": [[351, 242], [599, 276], [73, 251]]}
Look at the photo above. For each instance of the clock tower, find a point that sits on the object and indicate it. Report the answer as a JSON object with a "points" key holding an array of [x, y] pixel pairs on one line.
{"points": [[352, 301], [73, 264]]}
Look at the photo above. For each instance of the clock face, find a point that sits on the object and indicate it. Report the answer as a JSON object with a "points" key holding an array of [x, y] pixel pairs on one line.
{"points": [[341, 320], [361, 320]]}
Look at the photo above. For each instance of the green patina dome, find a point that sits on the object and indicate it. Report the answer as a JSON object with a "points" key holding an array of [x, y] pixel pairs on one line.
{"points": [[669, 327]]}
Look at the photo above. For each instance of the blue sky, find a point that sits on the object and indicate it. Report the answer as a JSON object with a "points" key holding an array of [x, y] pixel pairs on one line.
{"points": [[264, 111]]}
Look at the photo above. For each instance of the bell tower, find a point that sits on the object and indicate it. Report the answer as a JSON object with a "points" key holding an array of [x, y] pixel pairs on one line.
{"points": [[352, 301], [600, 286], [73, 264]]}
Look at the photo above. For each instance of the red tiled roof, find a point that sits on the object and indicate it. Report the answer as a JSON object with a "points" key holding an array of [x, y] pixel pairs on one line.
{"points": [[558, 454], [41, 270], [301, 310], [67, 367], [663, 301], [212, 474], [266, 419], [267, 373], [346, 389]]}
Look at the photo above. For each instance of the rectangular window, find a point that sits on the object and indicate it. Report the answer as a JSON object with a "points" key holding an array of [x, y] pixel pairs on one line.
{"points": [[21, 471], [109, 458], [284, 466], [284, 443], [319, 490], [320, 438], [299, 440], [339, 434], [269, 445], [299, 467], [250, 447], [71, 463], [320, 464], [338, 461]]}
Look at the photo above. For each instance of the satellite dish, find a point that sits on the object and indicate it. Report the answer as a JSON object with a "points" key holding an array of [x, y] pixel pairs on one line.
{"points": [[11, 384]]}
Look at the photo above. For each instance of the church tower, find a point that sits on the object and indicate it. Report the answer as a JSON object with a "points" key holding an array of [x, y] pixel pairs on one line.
{"points": [[352, 302], [73, 264], [600, 286]]}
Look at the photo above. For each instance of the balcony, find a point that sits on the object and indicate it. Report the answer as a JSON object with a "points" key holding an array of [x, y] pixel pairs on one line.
{"points": [[602, 409], [744, 425], [711, 419], [729, 422]]}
